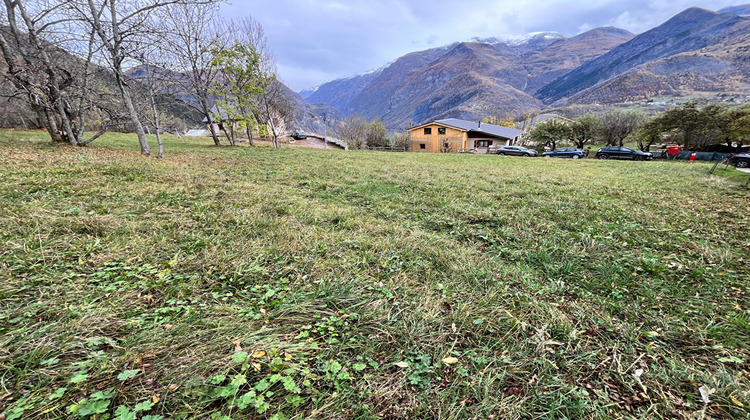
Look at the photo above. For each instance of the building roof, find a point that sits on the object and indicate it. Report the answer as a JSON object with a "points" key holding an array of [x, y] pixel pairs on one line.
{"points": [[476, 127]]}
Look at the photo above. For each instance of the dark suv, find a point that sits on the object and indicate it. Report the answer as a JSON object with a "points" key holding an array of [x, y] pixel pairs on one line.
{"points": [[619, 152], [569, 152], [740, 160], [516, 151]]}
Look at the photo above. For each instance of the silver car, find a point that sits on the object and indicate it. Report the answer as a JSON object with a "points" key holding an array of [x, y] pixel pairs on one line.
{"points": [[516, 151]]}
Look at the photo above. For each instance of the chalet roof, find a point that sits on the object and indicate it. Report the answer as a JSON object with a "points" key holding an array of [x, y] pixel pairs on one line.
{"points": [[476, 127]]}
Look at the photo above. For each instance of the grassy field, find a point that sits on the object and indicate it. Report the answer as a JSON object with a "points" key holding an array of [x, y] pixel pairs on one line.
{"points": [[300, 283]]}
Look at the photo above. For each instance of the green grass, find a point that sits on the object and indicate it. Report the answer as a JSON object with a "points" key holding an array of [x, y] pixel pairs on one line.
{"points": [[301, 283]]}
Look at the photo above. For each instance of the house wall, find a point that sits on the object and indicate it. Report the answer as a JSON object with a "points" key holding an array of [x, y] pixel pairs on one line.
{"points": [[452, 141], [495, 143]]}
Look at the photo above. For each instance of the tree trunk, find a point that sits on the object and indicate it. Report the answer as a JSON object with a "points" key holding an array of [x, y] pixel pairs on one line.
{"points": [[53, 86], [13, 56], [156, 120], [161, 145], [145, 150], [207, 113], [49, 124], [249, 131], [223, 128]]}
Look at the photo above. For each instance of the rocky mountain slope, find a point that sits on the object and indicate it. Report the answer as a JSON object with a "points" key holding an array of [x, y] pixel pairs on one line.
{"points": [[696, 51], [313, 118], [339, 92], [467, 79], [662, 50], [743, 10], [559, 58]]}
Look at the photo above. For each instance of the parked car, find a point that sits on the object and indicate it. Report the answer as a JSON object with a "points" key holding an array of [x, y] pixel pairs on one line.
{"points": [[740, 160], [516, 151], [568, 152], [617, 152], [299, 135]]}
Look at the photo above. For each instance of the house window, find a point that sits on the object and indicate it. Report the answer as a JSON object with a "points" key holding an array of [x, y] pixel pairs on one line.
{"points": [[483, 143], [441, 131], [422, 146], [427, 131]]}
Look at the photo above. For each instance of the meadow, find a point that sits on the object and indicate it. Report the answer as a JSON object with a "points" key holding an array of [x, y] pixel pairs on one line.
{"points": [[301, 283]]}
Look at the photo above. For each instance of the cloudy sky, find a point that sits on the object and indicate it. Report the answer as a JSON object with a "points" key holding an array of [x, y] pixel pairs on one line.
{"points": [[315, 41]]}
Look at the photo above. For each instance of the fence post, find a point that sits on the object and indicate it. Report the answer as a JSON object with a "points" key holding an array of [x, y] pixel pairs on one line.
{"points": [[711, 172]]}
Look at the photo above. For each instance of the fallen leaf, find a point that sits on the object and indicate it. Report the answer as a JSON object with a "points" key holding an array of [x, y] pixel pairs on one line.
{"points": [[155, 398], [450, 360], [259, 354], [402, 364], [256, 366], [173, 387], [237, 345]]}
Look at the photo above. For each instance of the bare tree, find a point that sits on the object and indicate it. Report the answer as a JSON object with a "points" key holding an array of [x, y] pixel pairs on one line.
{"points": [[32, 68], [122, 27], [353, 130], [402, 140], [151, 82], [191, 32], [275, 108]]}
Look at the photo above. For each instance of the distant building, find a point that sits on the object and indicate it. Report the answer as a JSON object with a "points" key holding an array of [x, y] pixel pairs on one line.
{"points": [[454, 135]]}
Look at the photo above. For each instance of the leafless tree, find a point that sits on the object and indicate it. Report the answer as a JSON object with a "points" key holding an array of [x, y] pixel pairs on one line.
{"points": [[150, 79], [402, 140], [192, 31], [353, 130], [276, 109], [121, 28], [41, 71]]}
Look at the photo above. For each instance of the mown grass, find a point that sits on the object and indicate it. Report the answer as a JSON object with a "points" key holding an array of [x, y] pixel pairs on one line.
{"points": [[301, 283]]}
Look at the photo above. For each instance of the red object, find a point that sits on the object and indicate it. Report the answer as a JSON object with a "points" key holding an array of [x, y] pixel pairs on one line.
{"points": [[673, 150], [693, 156]]}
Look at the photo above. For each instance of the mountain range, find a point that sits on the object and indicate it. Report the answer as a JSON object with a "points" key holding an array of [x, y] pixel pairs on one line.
{"points": [[697, 50]]}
